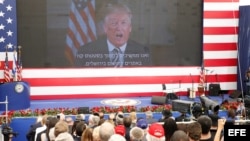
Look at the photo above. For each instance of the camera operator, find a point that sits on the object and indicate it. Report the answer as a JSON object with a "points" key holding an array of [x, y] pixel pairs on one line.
{"points": [[8, 133]]}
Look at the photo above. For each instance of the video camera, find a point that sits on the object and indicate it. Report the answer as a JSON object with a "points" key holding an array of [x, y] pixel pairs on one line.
{"points": [[7, 131]]}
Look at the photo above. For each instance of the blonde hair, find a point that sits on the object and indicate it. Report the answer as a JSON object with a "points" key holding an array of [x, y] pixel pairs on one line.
{"points": [[60, 127]]}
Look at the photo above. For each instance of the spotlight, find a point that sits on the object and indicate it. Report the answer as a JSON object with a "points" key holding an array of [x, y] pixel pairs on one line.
{"points": [[209, 104]]}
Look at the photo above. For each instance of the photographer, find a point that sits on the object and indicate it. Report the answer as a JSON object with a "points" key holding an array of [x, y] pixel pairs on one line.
{"points": [[8, 133]]}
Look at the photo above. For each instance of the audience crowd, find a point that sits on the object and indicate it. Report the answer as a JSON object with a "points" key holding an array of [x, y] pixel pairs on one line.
{"points": [[128, 127]]}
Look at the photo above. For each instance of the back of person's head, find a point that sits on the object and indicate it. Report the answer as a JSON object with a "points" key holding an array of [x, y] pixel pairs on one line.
{"points": [[231, 113], [142, 123], [69, 120], [214, 119], [117, 137], [136, 134], [182, 126], [106, 131], [51, 124], [80, 127], [80, 117], [65, 136], [179, 135], [87, 134], [61, 116], [149, 114], [205, 122], [166, 113], [44, 119], [119, 118], [101, 115], [96, 120], [127, 121], [194, 130], [61, 127], [170, 127], [96, 136], [155, 132]]}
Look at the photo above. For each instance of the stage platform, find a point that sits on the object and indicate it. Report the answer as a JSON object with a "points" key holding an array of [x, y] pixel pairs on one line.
{"points": [[136, 101]]}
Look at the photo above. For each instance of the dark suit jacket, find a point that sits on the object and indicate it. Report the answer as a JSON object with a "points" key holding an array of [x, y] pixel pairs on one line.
{"points": [[96, 54], [32, 131]]}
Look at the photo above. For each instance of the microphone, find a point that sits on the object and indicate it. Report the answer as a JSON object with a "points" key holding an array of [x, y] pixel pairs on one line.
{"points": [[163, 87]]}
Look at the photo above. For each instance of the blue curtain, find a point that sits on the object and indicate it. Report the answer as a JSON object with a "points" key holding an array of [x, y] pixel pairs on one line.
{"points": [[244, 46]]}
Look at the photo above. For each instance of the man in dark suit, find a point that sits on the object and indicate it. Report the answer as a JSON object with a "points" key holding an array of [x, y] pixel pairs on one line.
{"points": [[115, 49]]}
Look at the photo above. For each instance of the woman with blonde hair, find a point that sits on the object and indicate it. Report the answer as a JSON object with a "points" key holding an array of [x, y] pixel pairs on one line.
{"points": [[87, 134]]}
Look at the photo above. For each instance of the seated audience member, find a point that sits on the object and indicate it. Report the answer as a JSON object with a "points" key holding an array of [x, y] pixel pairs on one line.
{"points": [[70, 123], [127, 124], [80, 128], [149, 117], [80, 117], [101, 115], [194, 131], [96, 135], [93, 121], [111, 118], [206, 123], [106, 131], [117, 137], [155, 132], [61, 116], [179, 135], [87, 134], [165, 115], [142, 123], [137, 134], [214, 125], [231, 117], [61, 132], [170, 127], [133, 117], [182, 126], [196, 111], [42, 128], [182, 117], [120, 129], [119, 118], [51, 124], [240, 108], [30, 136]]}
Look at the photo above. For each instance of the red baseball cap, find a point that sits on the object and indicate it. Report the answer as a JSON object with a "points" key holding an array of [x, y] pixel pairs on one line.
{"points": [[120, 129], [156, 130]]}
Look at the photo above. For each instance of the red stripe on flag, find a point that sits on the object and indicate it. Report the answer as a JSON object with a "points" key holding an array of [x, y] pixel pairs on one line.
{"points": [[220, 30], [116, 80], [220, 62], [220, 14], [219, 46]]}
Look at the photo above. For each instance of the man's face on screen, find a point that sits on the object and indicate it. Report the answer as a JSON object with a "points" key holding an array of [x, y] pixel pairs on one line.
{"points": [[117, 28]]}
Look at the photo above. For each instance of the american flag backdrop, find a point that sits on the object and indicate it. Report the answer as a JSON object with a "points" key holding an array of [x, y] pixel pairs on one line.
{"points": [[8, 25], [81, 26], [8, 36], [220, 33]]}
